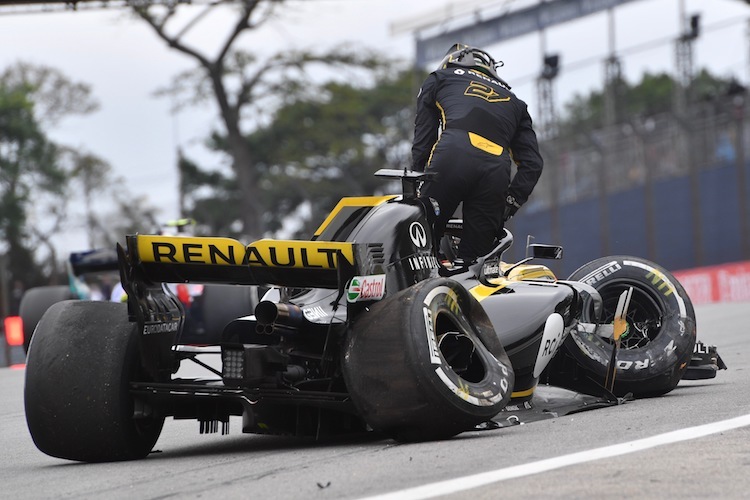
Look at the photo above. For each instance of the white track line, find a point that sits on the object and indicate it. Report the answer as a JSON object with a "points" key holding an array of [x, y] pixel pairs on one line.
{"points": [[484, 478]]}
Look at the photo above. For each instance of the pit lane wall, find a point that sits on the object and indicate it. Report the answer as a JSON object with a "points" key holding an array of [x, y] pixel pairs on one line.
{"points": [[721, 283]]}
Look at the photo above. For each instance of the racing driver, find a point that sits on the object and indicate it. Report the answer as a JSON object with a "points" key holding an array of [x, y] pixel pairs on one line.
{"points": [[468, 127]]}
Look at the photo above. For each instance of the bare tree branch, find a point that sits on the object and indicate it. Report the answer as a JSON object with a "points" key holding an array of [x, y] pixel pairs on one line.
{"points": [[159, 27], [238, 83]]}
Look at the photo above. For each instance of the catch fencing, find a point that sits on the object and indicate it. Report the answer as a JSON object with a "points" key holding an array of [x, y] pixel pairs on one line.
{"points": [[671, 190]]}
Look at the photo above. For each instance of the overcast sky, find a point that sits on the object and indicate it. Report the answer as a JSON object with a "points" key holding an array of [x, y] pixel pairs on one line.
{"points": [[125, 63]]}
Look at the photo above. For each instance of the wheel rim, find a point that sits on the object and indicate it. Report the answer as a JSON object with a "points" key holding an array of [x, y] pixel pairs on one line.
{"points": [[459, 350], [644, 317]]}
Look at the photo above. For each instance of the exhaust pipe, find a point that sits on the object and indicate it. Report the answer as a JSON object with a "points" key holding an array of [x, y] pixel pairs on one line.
{"points": [[264, 329], [269, 314]]}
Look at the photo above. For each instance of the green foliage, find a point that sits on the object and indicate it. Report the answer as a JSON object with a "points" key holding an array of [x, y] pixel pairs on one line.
{"points": [[54, 95], [31, 166], [708, 87], [654, 94], [38, 178], [329, 146], [27, 164], [212, 198], [109, 211], [321, 144]]}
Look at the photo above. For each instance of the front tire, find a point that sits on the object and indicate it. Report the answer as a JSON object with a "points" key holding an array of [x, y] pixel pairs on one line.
{"points": [[426, 363], [77, 392], [656, 349]]}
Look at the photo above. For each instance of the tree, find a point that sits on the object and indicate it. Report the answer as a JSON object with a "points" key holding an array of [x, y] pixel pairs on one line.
{"points": [[54, 95], [242, 86], [334, 138], [27, 164], [211, 198], [38, 178], [32, 98], [333, 144], [109, 211]]}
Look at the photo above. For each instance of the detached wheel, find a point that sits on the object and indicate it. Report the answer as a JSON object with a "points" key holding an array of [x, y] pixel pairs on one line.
{"points": [[35, 303], [77, 393], [656, 349], [426, 363]]}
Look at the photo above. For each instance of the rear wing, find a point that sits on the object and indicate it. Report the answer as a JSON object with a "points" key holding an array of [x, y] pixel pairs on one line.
{"points": [[291, 263]]}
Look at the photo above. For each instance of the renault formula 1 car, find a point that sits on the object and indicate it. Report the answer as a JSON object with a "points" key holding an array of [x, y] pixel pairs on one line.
{"points": [[363, 329]]}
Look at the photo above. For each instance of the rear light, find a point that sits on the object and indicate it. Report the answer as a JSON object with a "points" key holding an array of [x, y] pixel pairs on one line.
{"points": [[249, 364], [14, 330], [233, 364]]}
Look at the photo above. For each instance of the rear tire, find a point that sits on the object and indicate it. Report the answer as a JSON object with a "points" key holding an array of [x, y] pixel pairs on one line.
{"points": [[214, 309], [77, 393], [35, 303], [657, 348], [426, 363]]}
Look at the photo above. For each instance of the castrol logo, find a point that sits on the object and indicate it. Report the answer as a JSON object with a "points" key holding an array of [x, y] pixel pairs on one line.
{"points": [[366, 288]]}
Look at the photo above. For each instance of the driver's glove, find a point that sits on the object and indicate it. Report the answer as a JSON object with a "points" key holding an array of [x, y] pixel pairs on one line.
{"points": [[511, 207]]}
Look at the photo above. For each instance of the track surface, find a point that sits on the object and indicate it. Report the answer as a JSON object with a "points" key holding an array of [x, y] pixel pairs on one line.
{"points": [[588, 454]]}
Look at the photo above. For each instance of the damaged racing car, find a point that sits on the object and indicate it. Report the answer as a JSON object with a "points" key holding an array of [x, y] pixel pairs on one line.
{"points": [[364, 328]]}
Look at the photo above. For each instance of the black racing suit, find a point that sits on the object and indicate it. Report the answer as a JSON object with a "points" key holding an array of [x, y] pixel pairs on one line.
{"points": [[483, 125]]}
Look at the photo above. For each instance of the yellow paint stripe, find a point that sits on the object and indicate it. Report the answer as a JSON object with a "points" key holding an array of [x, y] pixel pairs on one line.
{"points": [[532, 273], [429, 158], [353, 201], [481, 292], [522, 394], [442, 115]]}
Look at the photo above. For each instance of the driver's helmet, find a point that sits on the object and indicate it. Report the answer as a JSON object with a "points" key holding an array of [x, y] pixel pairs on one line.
{"points": [[465, 56]]}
